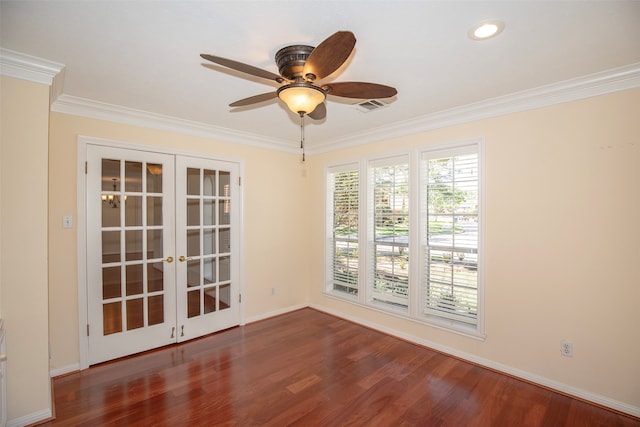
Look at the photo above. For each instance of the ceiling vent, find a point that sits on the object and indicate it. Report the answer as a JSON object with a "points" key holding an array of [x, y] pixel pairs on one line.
{"points": [[370, 105]]}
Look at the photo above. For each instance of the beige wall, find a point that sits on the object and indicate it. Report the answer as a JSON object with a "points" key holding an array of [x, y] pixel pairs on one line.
{"points": [[273, 215], [24, 113], [562, 243], [561, 238]]}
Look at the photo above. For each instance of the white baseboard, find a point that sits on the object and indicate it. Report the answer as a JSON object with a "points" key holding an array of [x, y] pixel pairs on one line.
{"points": [[509, 370], [30, 418], [275, 313], [64, 370]]}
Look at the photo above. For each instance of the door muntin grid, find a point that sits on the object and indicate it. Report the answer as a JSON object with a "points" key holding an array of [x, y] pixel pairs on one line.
{"points": [[132, 245], [208, 241]]}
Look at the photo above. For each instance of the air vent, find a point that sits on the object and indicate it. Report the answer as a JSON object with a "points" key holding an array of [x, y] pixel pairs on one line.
{"points": [[370, 105]]}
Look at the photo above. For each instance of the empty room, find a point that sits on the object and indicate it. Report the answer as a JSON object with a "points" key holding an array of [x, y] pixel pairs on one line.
{"points": [[326, 213]]}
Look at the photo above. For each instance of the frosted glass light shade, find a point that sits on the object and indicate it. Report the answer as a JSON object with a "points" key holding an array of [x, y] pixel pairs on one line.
{"points": [[301, 98]]}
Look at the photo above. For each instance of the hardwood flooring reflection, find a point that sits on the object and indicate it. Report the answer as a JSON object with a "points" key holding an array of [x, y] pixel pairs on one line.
{"points": [[307, 368]]}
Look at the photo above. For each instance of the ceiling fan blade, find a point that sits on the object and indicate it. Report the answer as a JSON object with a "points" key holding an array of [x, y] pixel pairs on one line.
{"points": [[329, 55], [359, 90], [319, 113], [245, 68], [254, 99]]}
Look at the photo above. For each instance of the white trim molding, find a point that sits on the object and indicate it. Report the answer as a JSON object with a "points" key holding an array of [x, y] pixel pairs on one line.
{"points": [[490, 364], [615, 80], [37, 70], [69, 369], [76, 106], [275, 313], [32, 418], [618, 79], [27, 67]]}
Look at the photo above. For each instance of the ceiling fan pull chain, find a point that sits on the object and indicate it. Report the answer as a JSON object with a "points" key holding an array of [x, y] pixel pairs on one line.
{"points": [[302, 134]]}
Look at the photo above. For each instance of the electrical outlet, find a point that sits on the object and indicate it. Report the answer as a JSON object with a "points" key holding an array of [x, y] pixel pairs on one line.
{"points": [[566, 348]]}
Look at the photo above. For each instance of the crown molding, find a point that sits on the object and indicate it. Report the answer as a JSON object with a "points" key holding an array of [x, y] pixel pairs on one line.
{"points": [[102, 111], [15, 64], [618, 79], [614, 80], [27, 67]]}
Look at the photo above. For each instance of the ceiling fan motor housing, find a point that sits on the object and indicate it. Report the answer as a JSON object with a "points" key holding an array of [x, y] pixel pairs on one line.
{"points": [[291, 60]]}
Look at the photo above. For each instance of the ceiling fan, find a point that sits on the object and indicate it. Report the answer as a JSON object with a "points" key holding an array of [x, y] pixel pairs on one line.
{"points": [[301, 67]]}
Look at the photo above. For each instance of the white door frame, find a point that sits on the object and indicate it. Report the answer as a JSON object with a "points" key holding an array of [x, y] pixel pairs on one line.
{"points": [[82, 143]]}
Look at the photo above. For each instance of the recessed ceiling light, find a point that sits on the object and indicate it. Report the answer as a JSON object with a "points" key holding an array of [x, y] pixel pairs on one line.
{"points": [[485, 30]]}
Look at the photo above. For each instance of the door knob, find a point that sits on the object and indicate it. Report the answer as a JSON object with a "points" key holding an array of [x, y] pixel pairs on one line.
{"points": [[184, 258], [169, 259]]}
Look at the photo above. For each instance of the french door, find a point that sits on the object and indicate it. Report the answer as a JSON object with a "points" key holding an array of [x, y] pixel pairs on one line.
{"points": [[162, 249], [207, 246]]}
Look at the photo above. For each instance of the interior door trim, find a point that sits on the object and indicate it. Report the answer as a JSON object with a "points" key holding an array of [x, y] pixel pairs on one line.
{"points": [[81, 223]]}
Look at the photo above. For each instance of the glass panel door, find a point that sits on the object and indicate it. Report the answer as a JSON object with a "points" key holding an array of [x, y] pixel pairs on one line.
{"points": [[207, 246], [131, 273], [162, 249]]}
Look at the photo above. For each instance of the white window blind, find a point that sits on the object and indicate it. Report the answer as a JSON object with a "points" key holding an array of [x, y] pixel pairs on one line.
{"points": [[390, 233], [423, 203], [450, 194], [343, 215]]}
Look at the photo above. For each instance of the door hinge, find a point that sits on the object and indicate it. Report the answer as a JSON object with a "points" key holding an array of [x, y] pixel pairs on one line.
{"points": [[239, 180], [239, 298], [86, 167], [87, 329]]}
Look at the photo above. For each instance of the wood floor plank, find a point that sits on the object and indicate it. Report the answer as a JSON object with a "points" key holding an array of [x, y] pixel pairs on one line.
{"points": [[307, 368]]}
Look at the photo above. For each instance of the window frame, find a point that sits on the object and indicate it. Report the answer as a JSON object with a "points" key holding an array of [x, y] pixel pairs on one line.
{"points": [[417, 224], [451, 149], [329, 230], [370, 267]]}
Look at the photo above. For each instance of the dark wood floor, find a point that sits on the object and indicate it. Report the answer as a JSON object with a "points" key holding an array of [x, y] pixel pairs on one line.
{"points": [[307, 368]]}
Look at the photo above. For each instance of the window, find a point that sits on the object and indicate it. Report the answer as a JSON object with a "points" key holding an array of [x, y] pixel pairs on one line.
{"points": [[450, 190], [343, 204], [412, 222], [390, 233]]}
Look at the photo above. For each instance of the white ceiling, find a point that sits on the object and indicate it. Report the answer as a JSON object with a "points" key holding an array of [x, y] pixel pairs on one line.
{"points": [[145, 55]]}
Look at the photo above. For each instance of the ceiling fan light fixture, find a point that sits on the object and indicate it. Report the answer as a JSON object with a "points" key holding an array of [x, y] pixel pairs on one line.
{"points": [[301, 98], [485, 30]]}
